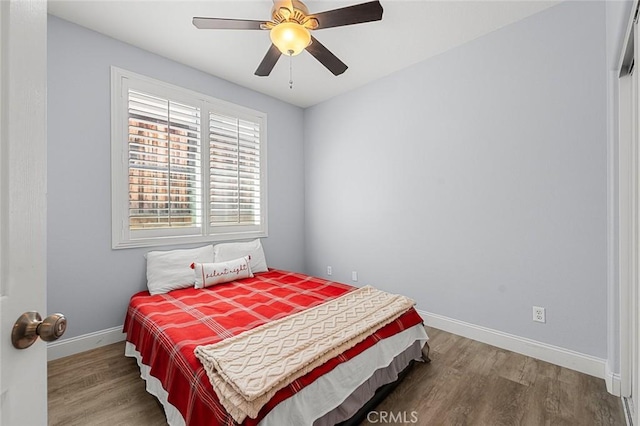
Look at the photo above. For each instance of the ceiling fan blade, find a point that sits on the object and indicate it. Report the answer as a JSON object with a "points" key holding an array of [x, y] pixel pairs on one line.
{"points": [[325, 57], [357, 14], [268, 62], [226, 24]]}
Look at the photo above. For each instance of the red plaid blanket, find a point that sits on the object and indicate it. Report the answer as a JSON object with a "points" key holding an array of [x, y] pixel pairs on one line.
{"points": [[166, 329]]}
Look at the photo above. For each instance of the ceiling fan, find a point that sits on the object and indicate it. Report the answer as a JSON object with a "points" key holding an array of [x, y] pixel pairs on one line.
{"points": [[289, 30]]}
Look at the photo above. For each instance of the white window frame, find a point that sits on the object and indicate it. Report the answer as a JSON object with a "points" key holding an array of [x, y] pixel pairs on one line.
{"points": [[123, 80]]}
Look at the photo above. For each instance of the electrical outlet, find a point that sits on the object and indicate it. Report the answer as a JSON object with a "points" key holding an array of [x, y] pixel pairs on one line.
{"points": [[329, 270], [538, 314], [354, 276]]}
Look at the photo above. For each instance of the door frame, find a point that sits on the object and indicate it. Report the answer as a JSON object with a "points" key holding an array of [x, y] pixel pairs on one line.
{"points": [[629, 216], [628, 202]]}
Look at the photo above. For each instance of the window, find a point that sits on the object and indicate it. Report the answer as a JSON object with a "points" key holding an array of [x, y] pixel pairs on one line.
{"points": [[185, 167]]}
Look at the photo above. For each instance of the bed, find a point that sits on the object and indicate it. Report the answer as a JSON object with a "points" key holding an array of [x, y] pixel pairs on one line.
{"points": [[163, 330]]}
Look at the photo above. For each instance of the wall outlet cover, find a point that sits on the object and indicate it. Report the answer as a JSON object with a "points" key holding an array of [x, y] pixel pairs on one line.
{"points": [[539, 314]]}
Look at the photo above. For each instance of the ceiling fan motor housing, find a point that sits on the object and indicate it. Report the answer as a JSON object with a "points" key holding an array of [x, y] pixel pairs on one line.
{"points": [[297, 5]]}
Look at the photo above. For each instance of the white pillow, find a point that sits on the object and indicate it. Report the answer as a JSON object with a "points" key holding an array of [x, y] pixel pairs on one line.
{"points": [[229, 251], [170, 270], [208, 274]]}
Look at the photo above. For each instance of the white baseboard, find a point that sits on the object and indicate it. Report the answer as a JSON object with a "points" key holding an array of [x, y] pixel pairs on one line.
{"points": [[556, 355], [86, 342], [612, 380]]}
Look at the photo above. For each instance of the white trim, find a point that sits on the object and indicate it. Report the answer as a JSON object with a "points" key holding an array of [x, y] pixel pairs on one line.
{"points": [[559, 356], [613, 302], [626, 203], [634, 315], [121, 236], [86, 342], [612, 380], [554, 354], [627, 411]]}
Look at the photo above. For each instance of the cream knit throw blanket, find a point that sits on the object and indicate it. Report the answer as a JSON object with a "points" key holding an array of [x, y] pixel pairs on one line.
{"points": [[248, 369]]}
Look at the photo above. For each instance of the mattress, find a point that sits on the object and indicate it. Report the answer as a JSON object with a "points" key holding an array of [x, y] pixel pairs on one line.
{"points": [[165, 329]]}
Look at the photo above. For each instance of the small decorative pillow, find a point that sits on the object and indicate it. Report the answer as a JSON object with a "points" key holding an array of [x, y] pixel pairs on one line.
{"points": [[208, 274]]}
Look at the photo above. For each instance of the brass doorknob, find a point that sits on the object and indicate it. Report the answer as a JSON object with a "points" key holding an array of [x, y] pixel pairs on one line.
{"points": [[30, 325]]}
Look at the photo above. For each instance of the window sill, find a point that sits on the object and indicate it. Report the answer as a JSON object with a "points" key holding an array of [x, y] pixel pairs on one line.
{"points": [[189, 239]]}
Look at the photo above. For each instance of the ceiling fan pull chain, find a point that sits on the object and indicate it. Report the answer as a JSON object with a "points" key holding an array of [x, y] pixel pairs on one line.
{"points": [[291, 69]]}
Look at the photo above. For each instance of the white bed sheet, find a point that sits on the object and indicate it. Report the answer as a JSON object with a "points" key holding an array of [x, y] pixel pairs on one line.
{"points": [[304, 407]]}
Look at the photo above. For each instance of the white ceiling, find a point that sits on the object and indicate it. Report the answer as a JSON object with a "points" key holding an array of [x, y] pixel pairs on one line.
{"points": [[410, 32]]}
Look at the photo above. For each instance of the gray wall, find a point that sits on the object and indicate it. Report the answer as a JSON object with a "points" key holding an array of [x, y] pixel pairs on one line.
{"points": [[476, 181], [87, 280]]}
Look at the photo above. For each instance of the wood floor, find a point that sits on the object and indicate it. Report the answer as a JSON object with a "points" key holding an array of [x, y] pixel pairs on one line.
{"points": [[467, 383]]}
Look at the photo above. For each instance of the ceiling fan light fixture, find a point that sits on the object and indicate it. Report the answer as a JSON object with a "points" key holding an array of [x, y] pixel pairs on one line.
{"points": [[290, 38], [289, 28]]}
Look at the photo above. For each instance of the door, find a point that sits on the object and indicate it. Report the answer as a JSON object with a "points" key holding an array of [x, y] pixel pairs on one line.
{"points": [[23, 153]]}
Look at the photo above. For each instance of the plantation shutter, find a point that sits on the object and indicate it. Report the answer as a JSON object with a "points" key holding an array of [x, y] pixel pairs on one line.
{"points": [[165, 189], [234, 171]]}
